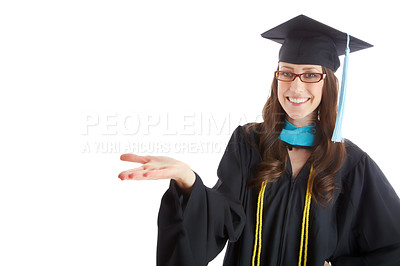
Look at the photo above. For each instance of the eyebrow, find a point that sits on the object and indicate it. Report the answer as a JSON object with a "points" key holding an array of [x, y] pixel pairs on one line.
{"points": [[310, 68], [306, 68]]}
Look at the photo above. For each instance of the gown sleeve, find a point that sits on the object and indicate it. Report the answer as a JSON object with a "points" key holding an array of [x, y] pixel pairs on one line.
{"points": [[193, 229], [369, 224]]}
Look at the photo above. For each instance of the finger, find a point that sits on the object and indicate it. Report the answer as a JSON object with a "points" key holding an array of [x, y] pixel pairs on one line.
{"points": [[140, 168], [123, 176], [164, 173], [131, 174], [130, 157]]}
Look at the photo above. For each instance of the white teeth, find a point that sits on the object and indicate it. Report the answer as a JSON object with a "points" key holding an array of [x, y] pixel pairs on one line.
{"points": [[298, 100]]}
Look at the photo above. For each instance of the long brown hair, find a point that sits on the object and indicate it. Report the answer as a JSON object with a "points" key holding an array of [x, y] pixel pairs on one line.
{"points": [[326, 157]]}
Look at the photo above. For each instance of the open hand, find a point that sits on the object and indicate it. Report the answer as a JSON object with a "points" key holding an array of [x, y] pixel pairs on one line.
{"points": [[158, 167]]}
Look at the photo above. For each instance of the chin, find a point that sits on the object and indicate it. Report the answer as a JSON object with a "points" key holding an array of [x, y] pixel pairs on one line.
{"points": [[302, 119], [297, 117]]}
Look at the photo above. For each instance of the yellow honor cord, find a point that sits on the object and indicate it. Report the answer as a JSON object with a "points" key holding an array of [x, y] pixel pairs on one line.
{"points": [[257, 238], [304, 227], [306, 220]]}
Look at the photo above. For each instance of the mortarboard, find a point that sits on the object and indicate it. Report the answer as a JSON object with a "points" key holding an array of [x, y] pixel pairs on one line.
{"points": [[307, 41]]}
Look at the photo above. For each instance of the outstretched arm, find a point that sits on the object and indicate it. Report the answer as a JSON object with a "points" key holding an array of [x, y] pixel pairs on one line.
{"points": [[195, 221]]}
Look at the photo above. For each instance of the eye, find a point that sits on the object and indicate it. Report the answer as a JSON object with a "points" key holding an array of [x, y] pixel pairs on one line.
{"points": [[286, 74], [311, 75]]}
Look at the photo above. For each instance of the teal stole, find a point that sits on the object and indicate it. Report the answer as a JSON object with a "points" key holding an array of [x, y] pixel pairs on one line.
{"points": [[298, 136]]}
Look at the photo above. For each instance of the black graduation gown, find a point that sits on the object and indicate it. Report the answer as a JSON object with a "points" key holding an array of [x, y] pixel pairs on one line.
{"points": [[360, 227]]}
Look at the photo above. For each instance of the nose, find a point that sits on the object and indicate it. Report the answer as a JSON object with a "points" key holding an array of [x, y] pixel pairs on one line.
{"points": [[297, 85]]}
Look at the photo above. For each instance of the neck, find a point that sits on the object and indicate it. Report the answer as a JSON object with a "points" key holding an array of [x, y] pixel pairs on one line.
{"points": [[301, 122]]}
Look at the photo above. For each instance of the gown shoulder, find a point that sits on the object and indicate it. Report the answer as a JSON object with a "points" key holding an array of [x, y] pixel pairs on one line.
{"points": [[368, 211]]}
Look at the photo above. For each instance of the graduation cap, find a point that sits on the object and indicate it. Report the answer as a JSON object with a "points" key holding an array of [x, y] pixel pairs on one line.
{"points": [[307, 41]]}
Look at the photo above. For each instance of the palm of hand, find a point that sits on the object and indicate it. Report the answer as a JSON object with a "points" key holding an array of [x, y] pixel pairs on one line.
{"points": [[158, 167]]}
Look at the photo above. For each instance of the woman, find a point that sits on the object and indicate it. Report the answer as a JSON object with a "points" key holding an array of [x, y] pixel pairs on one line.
{"points": [[286, 194]]}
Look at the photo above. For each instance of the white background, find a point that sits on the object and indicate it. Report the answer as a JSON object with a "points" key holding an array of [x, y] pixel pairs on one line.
{"points": [[77, 77]]}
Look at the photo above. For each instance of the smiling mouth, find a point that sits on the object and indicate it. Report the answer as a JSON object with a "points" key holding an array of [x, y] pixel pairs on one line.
{"points": [[298, 99]]}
